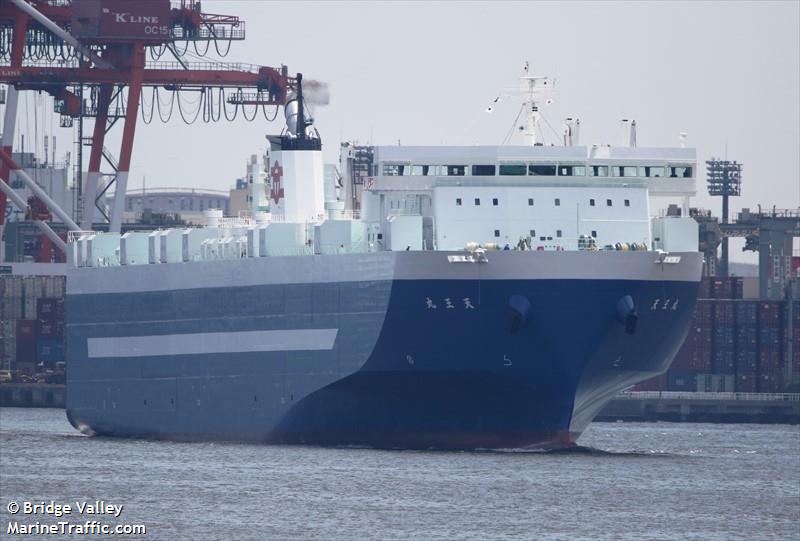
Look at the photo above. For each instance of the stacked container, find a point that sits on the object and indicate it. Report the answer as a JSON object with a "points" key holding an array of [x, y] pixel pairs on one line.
{"points": [[734, 345], [796, 339], [723, 344], [50, 343], [26, 301], [746, 346], [769, 346], [26, 346], [712, 287], [695, 354]]}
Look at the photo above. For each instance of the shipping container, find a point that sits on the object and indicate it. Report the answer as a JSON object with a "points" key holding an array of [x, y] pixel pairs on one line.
{"points": [[681, 381], [705, 288], [25, 351], [723, 383], [26, 329], [746, 361], [658, 383], [725, 288], [702, 383], [51, 329], [768, 384], [50, 309], [746, 383], [723, 359], [49, 351]]}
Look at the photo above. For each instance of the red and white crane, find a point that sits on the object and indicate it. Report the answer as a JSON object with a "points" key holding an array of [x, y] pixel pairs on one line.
{"points": [[110, 51]]}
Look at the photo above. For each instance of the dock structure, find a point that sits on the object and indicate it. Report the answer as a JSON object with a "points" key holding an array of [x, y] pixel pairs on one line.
{"points": [[32, 395], [777, 408]]}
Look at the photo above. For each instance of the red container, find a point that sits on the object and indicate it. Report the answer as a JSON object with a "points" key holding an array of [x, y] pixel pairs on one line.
{"points": [[26, 330], [722, 288], [704, 312], [104, 21], [658, 383], [683, 359]]}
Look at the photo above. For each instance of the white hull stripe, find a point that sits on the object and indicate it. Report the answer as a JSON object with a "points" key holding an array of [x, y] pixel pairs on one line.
{"points": [[217, 342]]}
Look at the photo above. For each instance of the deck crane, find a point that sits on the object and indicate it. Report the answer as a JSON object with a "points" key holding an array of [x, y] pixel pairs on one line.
{"points": [[96, 58]]}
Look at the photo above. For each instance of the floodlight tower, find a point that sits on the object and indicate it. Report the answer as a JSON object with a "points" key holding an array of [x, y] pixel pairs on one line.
{"points": [[724, 178]]}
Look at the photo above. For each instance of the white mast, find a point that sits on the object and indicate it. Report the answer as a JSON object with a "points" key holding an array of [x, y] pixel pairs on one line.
{"points": [[535, 88]]}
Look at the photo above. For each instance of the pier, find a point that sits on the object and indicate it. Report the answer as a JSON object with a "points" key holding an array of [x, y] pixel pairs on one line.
{"points": [[32, 395], [703, 407]]}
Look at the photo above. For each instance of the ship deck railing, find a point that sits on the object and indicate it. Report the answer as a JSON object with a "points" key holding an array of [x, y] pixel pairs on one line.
{"points": [[688, 395]]}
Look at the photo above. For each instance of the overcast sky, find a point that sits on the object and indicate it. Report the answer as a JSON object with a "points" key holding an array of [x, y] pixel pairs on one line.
{"points": [[727, 73]]}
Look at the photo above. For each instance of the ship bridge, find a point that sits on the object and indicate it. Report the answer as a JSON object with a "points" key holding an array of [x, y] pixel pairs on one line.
{"points": [[663, 171], [549, 197]]}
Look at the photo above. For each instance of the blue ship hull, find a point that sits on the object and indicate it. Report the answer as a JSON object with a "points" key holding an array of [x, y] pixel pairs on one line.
{"points": [[481, 358]]}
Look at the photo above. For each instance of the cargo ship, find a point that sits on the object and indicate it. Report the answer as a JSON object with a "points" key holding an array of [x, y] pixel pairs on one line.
{"points": [[447, 298]]}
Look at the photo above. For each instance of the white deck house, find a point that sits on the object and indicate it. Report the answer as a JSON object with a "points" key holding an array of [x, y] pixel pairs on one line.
{"points": [[549, 196]]}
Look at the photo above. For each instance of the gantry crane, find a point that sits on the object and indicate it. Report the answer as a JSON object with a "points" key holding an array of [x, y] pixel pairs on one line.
{"points": [[95, 57]]}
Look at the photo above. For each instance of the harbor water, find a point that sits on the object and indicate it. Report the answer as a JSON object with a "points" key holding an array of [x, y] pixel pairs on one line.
{"points": [[629, 481]]}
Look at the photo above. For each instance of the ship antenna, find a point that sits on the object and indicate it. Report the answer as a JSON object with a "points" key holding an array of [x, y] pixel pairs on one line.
{"points": [[534, 89]]}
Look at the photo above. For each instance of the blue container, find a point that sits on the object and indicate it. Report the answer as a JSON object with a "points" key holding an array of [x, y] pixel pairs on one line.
{"points": [[49, 351]]}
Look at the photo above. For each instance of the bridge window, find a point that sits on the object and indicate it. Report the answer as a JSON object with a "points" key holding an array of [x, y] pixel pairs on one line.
{"points": [[594, 234], [477, 201], [456, 170], [608, 202], [571, 171], [393, 170], [623, 171], [627, 202], [542, 170], [558, 202], [458, 201], [533, 233], [530, 201], [599, 170], [495, 202], [513, 170], [496, 232], [651, 172], [558, 233], [483, 170], [591, 202], [680, 172]]}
